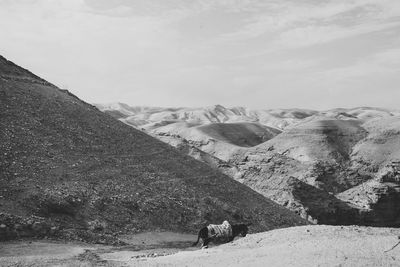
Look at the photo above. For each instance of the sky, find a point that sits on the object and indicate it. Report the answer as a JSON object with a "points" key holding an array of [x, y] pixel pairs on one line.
{"points": [[315, 54]]}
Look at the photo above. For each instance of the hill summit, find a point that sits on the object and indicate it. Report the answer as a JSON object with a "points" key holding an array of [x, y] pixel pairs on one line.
{"points": [[71, 171]]}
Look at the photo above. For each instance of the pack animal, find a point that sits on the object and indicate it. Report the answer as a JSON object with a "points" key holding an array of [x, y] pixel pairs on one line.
{"points": [[223, 231]]}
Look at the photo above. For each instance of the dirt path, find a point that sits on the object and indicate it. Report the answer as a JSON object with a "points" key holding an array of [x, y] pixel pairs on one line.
{"points": [[319, 245], [44, 253], [298, 246], [56, 253]]}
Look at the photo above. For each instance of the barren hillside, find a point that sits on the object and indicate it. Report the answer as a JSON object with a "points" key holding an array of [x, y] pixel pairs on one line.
{"points": [[341, 171], [339, 166], [218, 139], [146, 116], [71, 171]]}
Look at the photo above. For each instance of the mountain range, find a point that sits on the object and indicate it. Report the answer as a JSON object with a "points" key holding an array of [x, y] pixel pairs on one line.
{"points": [[339, 166], [70, 171]]}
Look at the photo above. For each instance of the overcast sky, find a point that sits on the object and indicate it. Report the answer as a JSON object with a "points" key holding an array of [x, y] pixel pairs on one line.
{"points": [[315, 54]]}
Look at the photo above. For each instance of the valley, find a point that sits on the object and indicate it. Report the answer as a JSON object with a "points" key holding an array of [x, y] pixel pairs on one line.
{"points": [[339, 166], [113, 185]]}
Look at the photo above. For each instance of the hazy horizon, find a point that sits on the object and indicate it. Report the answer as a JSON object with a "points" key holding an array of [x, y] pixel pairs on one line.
{"points": [[259, 54], [242, 106]]}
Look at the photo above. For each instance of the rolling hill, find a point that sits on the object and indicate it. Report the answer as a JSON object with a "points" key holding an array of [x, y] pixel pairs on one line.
{"points": [[339, 166], [218, 139], [145, 117], [340, 171], [71, 171]]}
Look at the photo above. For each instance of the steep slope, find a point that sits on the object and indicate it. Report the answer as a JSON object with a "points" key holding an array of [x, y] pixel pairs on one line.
{"points": [[71, 171], [377, 160], [318, 142], [319, 138], [381, 145], [188, 148], [334, 171], [339, 166]]}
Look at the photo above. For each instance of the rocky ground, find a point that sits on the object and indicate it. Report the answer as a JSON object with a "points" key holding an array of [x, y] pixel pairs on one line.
{"points": [[69, 171], [297, 246]]}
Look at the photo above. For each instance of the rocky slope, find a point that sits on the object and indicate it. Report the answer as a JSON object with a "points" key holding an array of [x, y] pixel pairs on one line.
{"points": [[339, 166], [340, 171], [71, 171]]}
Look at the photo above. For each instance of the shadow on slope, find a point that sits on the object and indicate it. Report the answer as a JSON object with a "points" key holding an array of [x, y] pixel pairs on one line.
{"points": [[330, 157], [220, 140], [240, 134], [71, 171]]}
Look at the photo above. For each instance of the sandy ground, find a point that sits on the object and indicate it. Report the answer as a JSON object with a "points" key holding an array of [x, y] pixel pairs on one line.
{"points": [[46, 253], [297, 246], [56, 253]]}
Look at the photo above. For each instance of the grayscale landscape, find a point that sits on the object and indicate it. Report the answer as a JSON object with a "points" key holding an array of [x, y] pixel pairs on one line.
{"points": [[268, 131], [337, 167]]}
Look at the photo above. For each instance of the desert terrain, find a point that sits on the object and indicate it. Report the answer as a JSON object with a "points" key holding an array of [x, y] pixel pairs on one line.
{"points": [[76, 177], [339, 166], [73, 172], [199, 133], [80, 187], [317, 245]]}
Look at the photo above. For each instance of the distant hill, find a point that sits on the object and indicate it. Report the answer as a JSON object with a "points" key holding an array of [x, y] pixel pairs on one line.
{"points": [[222, 131], [340, 171], [144, 117], [339, 166], [71, 171], [218, 139]]}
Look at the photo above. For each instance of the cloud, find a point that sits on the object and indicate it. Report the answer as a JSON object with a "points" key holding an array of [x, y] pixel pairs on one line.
{"points": [[383, 63], [291, 65], [314, 20], [244, 52], [314, 34]]}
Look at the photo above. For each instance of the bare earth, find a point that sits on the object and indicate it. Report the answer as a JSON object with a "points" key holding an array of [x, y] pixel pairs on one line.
{"points": [[318, 245]]}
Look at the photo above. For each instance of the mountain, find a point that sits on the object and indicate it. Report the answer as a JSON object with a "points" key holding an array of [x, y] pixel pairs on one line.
{"points": [[331, 171], [146, 117], [216, 130], [222, 131], [339, 166], [71, 171], [153, 117], [218, 139]]}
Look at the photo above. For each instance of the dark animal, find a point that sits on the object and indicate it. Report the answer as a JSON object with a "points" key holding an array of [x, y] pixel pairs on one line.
{"points": [[206, 236]]}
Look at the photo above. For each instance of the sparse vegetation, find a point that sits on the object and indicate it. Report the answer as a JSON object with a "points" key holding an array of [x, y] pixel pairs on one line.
{"points": [[90, 177]]}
